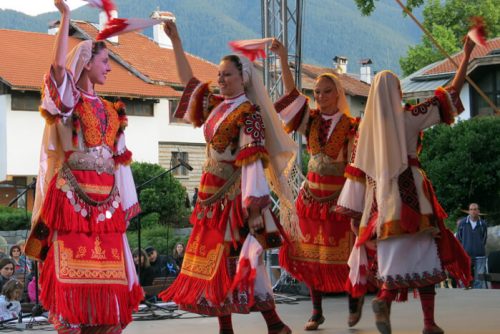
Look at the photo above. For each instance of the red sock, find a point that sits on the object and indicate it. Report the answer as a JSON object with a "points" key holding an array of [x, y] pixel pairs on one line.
{"points": [[387, 295], [273, 321], [316, 298], [225, 324], [427, 296]]}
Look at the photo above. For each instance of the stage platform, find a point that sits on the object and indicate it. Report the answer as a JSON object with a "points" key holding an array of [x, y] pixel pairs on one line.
{"points": [[458, 311]]}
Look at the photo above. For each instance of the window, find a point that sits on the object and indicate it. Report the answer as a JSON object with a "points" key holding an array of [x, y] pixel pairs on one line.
{"points": [[180, 171], [25, 101], [488, 79], [137, 107], [172, 108]]}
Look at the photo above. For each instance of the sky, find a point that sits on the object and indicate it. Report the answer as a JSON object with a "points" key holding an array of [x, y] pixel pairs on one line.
{"points": [[35, 7]]}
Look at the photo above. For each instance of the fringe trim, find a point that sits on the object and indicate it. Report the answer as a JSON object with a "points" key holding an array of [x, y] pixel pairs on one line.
{"points": [[123, 159], [194, 111], [447, 109], [251, 154], [315, 210], [59, 214], [49, 118], [321, 277], [188, 290], [85, 303]]}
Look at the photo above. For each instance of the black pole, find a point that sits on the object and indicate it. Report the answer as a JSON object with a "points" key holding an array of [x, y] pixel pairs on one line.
{"points": [[138, 219]]}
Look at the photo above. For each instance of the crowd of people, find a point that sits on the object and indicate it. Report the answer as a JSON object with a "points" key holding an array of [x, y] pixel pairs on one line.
{"points": [[366, 198]]}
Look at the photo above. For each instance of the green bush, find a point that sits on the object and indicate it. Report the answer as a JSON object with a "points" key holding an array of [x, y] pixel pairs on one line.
{"points": [[463, 164], [12, 219], [160, 237], [165, 196]]}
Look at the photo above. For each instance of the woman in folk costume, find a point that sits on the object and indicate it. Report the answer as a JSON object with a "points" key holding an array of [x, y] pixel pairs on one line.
{"points": [[390, 193], [85, 196], [233, 203], [318, 254]]}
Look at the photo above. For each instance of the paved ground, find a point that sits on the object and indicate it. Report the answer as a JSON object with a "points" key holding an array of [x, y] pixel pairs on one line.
{"points": [[458, 312]]}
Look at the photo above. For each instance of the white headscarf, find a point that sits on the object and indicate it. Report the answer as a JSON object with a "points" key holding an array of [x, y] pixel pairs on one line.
{"points": [[381, 150], [280, 146], [78, 57]]}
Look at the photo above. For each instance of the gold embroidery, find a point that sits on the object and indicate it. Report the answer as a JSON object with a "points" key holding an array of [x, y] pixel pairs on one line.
{"points": [[202, 266], [337, 138], [229, 129], [334, 254], [82, 250], [91, 124], [96, 189], [98, 252], [69, 269], [319, 239], [116, 253]]}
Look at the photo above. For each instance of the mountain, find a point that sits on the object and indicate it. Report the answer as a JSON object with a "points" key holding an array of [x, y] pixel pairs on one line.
{"points": [[330, 28]]}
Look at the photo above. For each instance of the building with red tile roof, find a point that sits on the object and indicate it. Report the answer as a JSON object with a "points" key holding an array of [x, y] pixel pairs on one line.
{"points": [[483, 69]]}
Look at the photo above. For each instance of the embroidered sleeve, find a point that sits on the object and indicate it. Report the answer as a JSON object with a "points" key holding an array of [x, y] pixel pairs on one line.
{"points": [[121, 154], [58, 101], [196, 102], [441, 108], [252, 137], [293, 109], [450, 104], [351, 199]]}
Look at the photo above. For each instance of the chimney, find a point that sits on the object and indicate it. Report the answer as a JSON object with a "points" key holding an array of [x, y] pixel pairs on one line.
{"points": [[159, 35], [366, 75], [103, 18], [53, 27], [340, 64]]}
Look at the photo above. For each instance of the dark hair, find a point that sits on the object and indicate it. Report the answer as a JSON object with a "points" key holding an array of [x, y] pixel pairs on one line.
{"points": [[14, 247], [6, 261], [97, 47], [10, 287], [236, 61], [144, 258]]}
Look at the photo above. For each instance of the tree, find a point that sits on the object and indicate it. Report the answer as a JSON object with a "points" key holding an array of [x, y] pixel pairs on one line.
{"points": [[165, 196], [449, 22], [463, 163]]}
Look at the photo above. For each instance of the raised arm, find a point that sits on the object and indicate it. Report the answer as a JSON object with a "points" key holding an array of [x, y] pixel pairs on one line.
{"points": [[61, 44], [183, 68], [282, 53], [458, 80]]}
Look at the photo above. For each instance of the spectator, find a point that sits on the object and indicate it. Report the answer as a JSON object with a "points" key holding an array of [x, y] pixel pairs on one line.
{"points": [[162, 265], [472, 233], [3, 248], [178, 254], [147, 275], [6, 271], [10, 307], [21, 266], [195, 197]]}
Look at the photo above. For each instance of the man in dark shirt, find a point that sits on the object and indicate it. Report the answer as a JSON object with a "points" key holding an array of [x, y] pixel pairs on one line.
{"points": [[472, 233], [162, 265]]}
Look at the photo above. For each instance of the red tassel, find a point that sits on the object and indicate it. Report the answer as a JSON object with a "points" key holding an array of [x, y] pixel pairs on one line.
{"points": [[478, 31], [123, 159], [245, 280]]}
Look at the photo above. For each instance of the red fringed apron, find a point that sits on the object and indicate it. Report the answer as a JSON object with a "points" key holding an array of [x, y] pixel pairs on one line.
{"points": [[320, 260], [84, 278], [209, 266]]}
